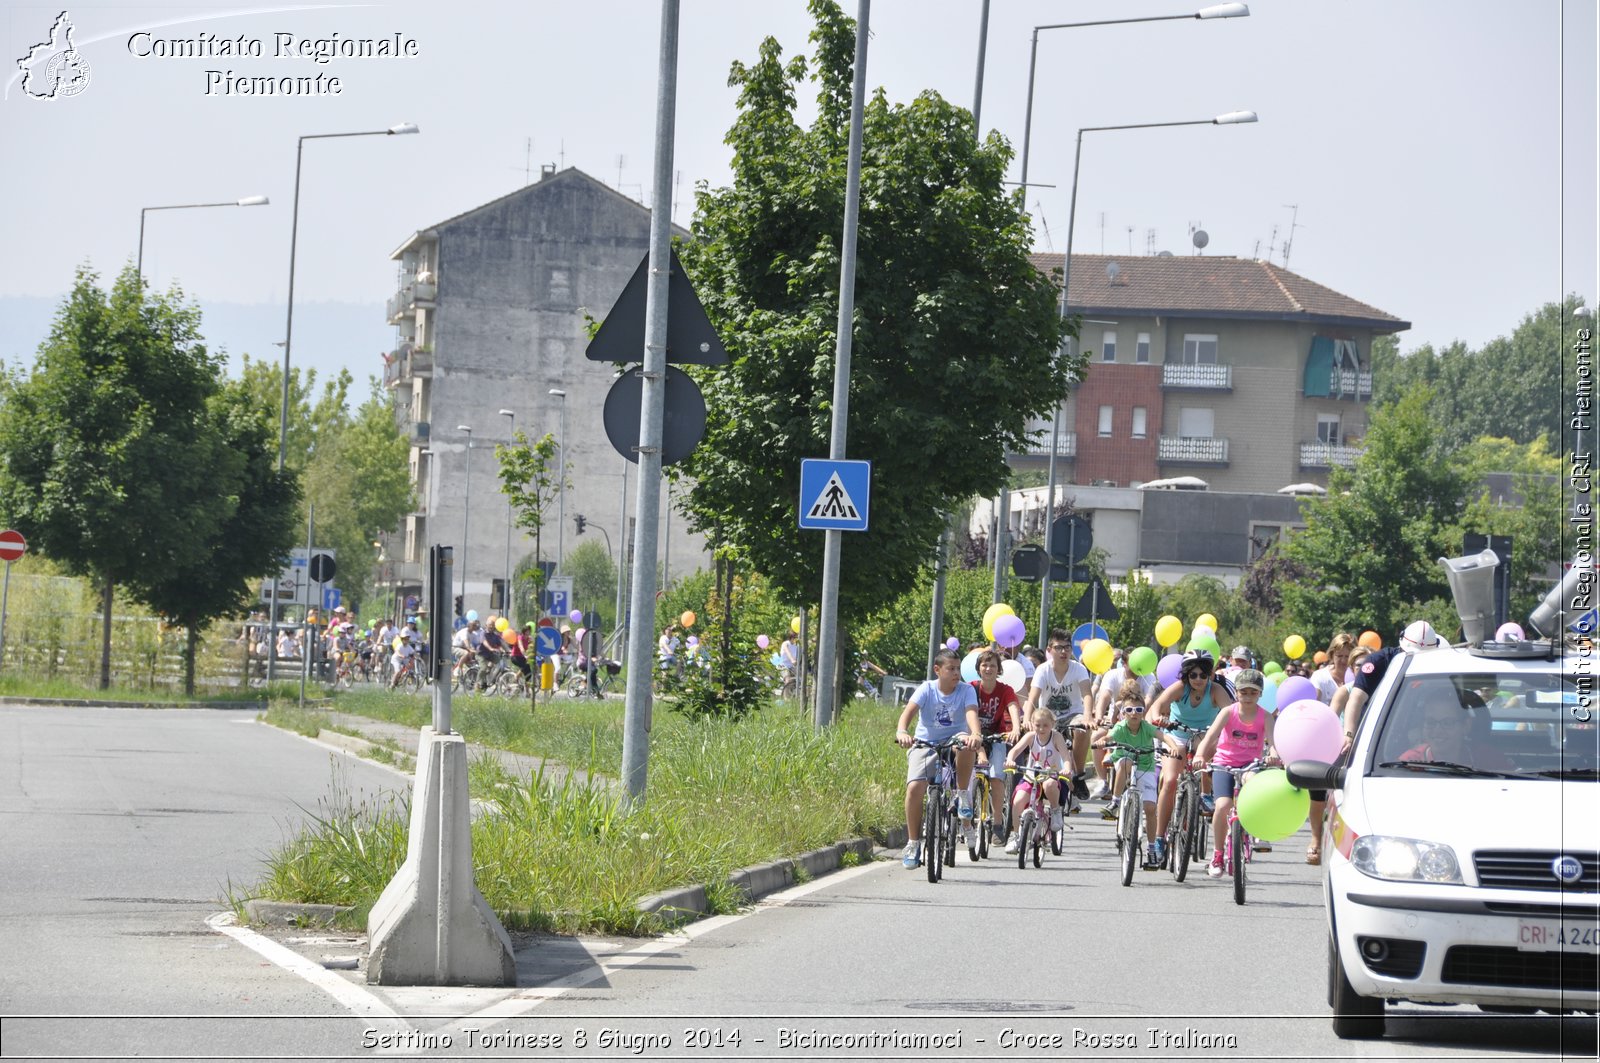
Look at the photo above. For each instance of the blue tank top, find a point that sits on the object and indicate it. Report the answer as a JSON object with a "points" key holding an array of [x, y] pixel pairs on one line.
{"points": [[1197, 716]]}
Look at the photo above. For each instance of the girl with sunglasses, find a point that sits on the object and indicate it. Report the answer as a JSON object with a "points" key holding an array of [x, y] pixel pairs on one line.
{"points": [[1193, 702]]}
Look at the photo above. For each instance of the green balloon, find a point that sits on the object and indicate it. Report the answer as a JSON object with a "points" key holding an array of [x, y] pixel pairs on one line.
{"points": [[1271, 808], [1142, 661], [1271, 667], [1207, 643]]}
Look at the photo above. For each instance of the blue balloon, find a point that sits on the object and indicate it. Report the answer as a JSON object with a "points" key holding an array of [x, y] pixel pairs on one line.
{"points": [[1269, 696], [472, 614], [969, 666]]}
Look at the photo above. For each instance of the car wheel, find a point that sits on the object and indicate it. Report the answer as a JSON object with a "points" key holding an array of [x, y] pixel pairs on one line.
{"points": [[1354, 1017]]}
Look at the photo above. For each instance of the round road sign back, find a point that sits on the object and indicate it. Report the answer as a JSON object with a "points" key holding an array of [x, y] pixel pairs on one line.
{"points": [[12, 545]]}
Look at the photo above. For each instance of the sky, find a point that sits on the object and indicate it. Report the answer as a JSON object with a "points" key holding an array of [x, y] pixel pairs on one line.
{"points": [[1433, 158]]}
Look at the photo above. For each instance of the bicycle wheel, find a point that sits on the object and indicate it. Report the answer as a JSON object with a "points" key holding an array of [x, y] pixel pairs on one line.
{"points": [[1237, 843], [1180, 836], [412, 683], [984, 822], [1199, 828], [1040, 829], [930, 831], [1024, 829], [952, 828], [1128, 831]]}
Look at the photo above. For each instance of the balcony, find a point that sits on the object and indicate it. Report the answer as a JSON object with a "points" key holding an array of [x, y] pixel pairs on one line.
{"points": [[419, 433], [1197, 377], [1349, 384], [393, 368], [1192, 450], [1327, 455], [1066, 446], [404, 303]]}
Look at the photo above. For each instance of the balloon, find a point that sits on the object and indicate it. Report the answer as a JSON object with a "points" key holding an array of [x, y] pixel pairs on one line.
{"points": [[1269, 696], [1142, 661], [1307, 730], [688, 618], [777, 660], [1027, 668], [993, 613], [1209, 644], [1169, 629], [952, 643], [1371, 640], [1271, 808], [1272, 668], [502, 624], [1009, 630], [472, 614], [1320, 657], [1294, 647], [1097, 655], [576, 616], [1169, 669], [1510, 632], [692, 641], [1011, 674], [1203, 631], [762, 642], [1206, 620], [1293, 689], [969, 666], [794, 625]]}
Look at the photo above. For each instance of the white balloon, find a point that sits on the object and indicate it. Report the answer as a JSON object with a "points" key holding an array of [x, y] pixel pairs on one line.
{"points": [[1012, 674], [1027, 667], [1202, 632]]}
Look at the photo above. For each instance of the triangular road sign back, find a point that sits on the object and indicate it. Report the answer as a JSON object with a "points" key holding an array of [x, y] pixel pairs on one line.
{"points": [[690, 338]]}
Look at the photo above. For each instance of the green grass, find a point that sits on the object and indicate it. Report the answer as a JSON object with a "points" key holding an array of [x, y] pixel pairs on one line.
{"points": [[23, 686], [558, 854]]}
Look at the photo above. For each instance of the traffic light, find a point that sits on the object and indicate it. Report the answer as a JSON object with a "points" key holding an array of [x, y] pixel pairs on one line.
{"points": [[580, 522], [458, 605]]}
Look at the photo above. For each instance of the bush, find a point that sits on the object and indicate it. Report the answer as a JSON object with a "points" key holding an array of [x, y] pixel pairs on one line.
{"points": [[723, 693]]}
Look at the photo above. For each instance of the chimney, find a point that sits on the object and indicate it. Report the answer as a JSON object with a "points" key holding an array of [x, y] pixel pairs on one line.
{"points": [[547, 171]]}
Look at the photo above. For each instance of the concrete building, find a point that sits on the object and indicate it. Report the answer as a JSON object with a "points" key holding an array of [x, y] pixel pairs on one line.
{"points": [[489, 316]]}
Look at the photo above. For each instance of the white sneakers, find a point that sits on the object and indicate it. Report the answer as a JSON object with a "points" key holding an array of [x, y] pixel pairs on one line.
{"points": [[1014, 846]]}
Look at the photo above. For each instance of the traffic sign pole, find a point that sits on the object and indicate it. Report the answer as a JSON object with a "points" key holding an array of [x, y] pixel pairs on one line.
{"points": [[12, 547], [5, 598]]}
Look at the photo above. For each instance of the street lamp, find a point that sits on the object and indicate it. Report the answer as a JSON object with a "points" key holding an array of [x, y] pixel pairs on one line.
{"points": [[510, 510], [561, 471], [466, 512], [247, 201], [1003, 517], [1230, 118]]}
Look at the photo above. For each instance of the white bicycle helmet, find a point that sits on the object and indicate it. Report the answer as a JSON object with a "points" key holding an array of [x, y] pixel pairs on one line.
{"points": [[1418, 636]]}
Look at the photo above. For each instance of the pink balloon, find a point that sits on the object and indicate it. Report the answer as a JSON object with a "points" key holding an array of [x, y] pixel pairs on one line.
{"points": [[763, 641], [1307, 730], [1296, 688], [1510, 632], [1009, 630], [1169, 669]]}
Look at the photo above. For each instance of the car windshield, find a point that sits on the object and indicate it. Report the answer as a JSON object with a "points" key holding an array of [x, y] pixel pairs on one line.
{"points": [[1512, 724]]}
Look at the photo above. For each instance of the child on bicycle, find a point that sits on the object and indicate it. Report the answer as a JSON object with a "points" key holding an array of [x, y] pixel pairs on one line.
{"points": [[1136, 770], [1000, 718], [1043, 748], [1194, 702], [1240, 735], [944, 708]]}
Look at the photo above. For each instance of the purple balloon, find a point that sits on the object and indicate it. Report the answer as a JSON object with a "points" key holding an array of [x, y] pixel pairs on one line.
{"points": [[1296, 688], [1009, 630], [576, 616], [1169, 669], [763, 641], [952, 643], [1307, 730]]}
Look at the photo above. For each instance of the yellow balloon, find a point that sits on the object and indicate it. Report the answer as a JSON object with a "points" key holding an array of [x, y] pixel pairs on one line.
{"points": [[794, 625], [688, 618], [1169, 629], [993, 613], [1294, 646], [1097, 656], [502, 624], [1206, 620]]}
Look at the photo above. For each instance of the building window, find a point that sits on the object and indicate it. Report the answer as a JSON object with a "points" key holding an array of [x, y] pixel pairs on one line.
{"points": [[1199, 350], [1108, 347], [1328, 428], [1105, 420], [1345, 355], [1140, 417], [1141, 349], [1195, 422]]}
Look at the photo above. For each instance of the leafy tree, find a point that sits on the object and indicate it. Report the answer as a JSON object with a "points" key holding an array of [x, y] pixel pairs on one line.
{"points": [[529, 479], [258, 528], [1534, 520], [594, 579], [950, 315], [110, 461]]}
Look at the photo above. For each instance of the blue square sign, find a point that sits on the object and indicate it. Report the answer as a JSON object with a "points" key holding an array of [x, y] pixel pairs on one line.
{"points": [[835, 495]]}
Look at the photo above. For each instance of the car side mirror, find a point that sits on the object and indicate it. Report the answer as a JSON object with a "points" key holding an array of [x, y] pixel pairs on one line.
{"points": [[1316, 775]]}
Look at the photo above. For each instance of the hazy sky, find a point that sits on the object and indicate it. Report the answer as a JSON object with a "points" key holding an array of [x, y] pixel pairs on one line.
{"points": [[1442, 159]]}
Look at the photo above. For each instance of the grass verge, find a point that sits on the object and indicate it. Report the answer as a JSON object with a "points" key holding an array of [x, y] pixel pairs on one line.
{"points": [[23, 686]]}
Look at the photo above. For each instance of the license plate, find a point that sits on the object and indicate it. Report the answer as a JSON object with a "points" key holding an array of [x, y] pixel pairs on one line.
{"points": [[1553, 935]]}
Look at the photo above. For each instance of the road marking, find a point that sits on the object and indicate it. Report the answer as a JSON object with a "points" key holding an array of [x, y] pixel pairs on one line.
{"points": [[347, 993]]}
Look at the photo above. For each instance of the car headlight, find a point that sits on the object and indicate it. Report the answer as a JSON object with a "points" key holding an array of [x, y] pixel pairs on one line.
{"points": [[1405, 859]]}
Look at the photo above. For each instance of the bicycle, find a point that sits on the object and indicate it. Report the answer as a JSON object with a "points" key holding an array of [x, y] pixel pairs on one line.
{"points": [[982, 803], [605, 676], [1184, 835], [941, 816], [1130, 813], [344, 677], [1237, 846], [1030, 836], [407, 678]]}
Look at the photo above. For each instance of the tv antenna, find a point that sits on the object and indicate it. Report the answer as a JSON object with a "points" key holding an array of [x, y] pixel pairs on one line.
{"points": [[1149, 241], [1294, 224], [1102, 232], [1272, 242], [1130, 241], [527, 163], [1049, 244]]}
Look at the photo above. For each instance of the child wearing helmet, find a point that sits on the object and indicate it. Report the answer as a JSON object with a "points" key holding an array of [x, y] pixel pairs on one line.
{"points": [[1192, 703]]}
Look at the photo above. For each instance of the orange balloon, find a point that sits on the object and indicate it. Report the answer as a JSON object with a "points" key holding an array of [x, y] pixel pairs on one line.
{"points": [[1371, 640], [1320, 657], [688, 618]]}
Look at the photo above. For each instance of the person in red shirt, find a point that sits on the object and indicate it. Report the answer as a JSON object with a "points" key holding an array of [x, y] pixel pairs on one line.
{"points": [[1000, 717], [517, 644]]}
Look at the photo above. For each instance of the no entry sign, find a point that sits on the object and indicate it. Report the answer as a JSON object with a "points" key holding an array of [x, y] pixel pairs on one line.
{"points": [[12, 545]]}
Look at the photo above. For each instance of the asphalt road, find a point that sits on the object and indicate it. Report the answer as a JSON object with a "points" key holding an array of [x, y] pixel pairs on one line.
{"points": [[121, 829]]}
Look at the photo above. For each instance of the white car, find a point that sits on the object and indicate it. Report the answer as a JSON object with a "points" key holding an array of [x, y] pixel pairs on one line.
{"points": [[1463, 857]]}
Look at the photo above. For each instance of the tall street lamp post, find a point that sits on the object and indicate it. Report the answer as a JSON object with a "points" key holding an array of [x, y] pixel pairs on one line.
{"points": [[1231, 118], [247, 201], [1003, 502], [466, 513], [561, 472], [510, 512]]}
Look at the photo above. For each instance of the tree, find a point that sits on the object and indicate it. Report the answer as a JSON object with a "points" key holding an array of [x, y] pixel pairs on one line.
{"points": [[957, 335], [256, 533], [1533, 517], [110, 460], [530, 482], [1370, 547], [594, 578]]}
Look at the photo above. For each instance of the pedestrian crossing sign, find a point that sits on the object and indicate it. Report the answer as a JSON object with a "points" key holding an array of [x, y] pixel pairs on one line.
{"points": [[835, 495]]}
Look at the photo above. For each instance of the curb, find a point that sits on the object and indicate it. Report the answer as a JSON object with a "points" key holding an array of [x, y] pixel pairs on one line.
{"points": [[84, 703], [283, 913]]}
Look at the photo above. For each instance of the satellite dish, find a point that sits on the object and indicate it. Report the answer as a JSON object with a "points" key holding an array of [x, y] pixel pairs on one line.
{"points": [[1164, 254], [1112, 269], [1200, 238]]}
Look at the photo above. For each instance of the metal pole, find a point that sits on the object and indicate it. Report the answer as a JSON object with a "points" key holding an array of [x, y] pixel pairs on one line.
{"points": [[140, 267], [977, 90], [1055, 433], [283, 408], [5, 598], [647, 505], [506, 598], [666, 543], [561, 513], [466, 516], [618, 622], [828, 635], [305, 644]]}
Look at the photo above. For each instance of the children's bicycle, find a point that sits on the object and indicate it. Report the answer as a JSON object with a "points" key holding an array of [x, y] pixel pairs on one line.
{"points": [[982, 803], [1033, 826], [1130, 814], [1185, 831], [1237, 846], [941, 815]]}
